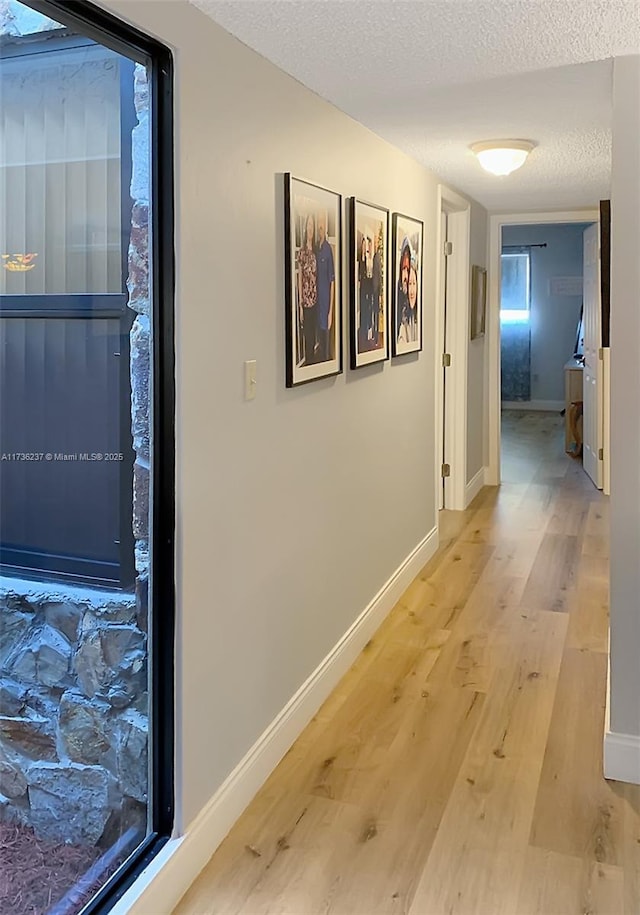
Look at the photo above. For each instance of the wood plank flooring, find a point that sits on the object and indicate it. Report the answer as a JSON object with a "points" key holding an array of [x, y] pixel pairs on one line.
{"points": [[456, 769]]}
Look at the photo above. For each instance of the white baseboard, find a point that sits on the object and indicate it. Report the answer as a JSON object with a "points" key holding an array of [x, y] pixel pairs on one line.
{"points": [[474, 486], [547, 406], [167, 878], [622, 757]]}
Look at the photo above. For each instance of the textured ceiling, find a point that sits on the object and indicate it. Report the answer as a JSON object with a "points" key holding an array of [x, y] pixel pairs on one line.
{"points": [[433, 76]]}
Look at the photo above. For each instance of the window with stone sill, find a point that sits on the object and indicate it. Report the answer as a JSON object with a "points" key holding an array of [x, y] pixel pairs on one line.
{"points": [[86, 456]]}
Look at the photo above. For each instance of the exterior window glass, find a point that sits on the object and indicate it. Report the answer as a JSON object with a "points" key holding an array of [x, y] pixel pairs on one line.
{"points": [[77, 460], [60, 148], [515, 302]]}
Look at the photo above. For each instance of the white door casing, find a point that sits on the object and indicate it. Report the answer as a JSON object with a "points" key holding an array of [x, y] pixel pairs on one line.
{"points": [[440, 368], [592, 422], [496, 224], [606, 420], [451, 437]]}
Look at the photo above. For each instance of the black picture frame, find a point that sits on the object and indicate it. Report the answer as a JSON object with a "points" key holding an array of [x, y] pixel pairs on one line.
{"points": [[478, 316], [312, 327], [407, 246], [368, 281]]}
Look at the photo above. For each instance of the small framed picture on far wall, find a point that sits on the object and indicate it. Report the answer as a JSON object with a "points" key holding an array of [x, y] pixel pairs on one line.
{"points": [[406, 312], [478, 316], [313, 287]]}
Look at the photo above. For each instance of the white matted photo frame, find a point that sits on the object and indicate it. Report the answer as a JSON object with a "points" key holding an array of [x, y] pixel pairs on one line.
{"points": [[478, 316], [407, 240], [313, 282], [368, 274]]}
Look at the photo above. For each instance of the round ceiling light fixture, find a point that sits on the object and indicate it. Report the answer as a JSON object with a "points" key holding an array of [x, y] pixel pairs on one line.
{"points": [[501, 157]]}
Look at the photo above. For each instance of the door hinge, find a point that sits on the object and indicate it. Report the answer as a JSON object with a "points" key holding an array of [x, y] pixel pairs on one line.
{"points": [[446, 470], [448, 248], [601, 354], [601, 454], [446, 360]]}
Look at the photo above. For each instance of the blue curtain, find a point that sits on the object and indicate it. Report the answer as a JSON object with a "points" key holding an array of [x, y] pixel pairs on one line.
{"points": [[515, 354]]}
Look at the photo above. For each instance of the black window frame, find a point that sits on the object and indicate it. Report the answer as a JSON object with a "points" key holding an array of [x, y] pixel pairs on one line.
{"points": [[101, 26]]}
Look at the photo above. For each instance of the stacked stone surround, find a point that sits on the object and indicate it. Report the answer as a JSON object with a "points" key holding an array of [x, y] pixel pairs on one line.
{"points": [[73, 703], [73, 660]]}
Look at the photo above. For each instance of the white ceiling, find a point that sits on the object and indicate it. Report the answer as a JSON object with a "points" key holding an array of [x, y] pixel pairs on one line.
{"points": [[433, 76]]}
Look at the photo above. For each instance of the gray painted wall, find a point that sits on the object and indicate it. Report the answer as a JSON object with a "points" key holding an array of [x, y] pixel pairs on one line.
{"points": [[554, 318], [295, 508], [625, 390]]}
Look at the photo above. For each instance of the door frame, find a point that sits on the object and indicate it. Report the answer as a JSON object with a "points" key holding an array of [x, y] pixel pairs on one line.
{"points": [[597, 370], [496, 223], [451, 418]]}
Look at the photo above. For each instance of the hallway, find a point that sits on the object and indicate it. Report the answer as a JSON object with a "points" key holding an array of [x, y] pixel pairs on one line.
{"points": [[457, 767]]}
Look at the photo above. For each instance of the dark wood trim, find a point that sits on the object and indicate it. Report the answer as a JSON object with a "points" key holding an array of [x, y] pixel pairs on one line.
{"points": [[605, 269]]}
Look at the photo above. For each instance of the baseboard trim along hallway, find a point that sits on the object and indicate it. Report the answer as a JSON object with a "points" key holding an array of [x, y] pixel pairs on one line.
{"points": [[474, 486], [622, 757], [169, 876]]}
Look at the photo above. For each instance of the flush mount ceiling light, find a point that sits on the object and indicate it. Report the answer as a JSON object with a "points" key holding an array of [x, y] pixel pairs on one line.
{"points": [[501, 157]]}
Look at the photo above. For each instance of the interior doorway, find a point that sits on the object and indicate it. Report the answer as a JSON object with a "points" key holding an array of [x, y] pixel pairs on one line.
{"points": [[550, 332], [541, 304], [532, 376]]}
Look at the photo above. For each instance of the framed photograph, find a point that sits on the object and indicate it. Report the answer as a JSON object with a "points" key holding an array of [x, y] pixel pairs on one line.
{"points": [[313, 287], [406, 310], [369, 298], [478, 316]]}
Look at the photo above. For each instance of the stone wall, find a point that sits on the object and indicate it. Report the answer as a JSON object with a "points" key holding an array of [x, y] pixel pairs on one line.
{"points": [[73, 702], [73, 661]]}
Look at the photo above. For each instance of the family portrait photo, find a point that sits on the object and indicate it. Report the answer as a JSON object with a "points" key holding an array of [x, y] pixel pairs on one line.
{"points": [[406, 315], [313, 287], [369, 310]]}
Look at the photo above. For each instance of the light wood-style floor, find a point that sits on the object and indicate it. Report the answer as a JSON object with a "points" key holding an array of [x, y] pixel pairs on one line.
{"points": [[457, 767]]}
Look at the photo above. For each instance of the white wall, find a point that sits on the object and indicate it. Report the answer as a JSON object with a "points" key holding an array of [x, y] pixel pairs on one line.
{"points": [[293, 509], [625, 391], [554, 318], [477, 354]]}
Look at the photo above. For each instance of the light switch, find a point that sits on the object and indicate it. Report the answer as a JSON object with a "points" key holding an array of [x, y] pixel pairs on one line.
{"points": [[250, 379]]}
